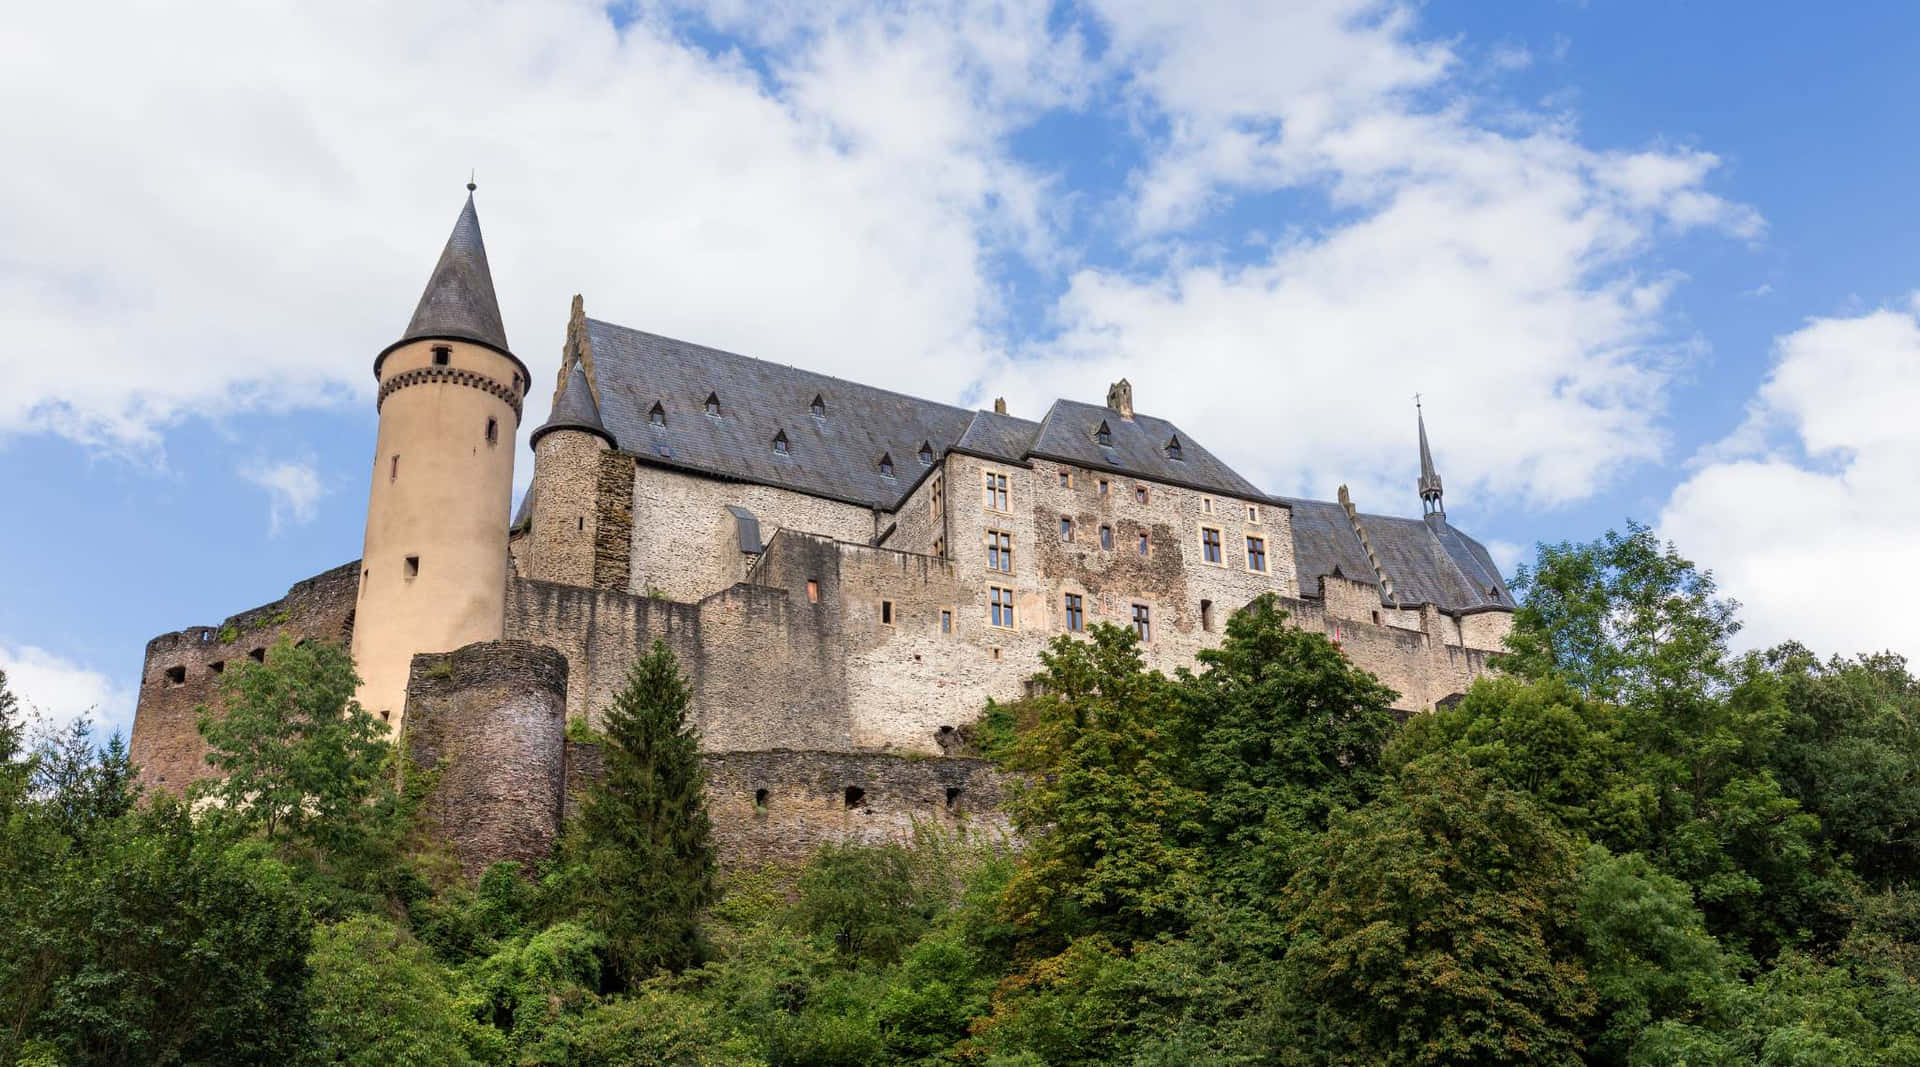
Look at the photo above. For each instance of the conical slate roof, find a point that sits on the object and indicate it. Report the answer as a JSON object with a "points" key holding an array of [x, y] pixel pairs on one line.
{"points": [[1429, 478], [459, 301], [574, 409]]}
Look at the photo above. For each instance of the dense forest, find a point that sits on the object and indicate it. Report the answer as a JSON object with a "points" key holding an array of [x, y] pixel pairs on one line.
{"points": [[1632, 845]]}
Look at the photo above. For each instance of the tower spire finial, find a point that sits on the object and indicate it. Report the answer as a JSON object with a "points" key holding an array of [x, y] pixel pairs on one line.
{"points": [[1429, 478], [471, 184]]}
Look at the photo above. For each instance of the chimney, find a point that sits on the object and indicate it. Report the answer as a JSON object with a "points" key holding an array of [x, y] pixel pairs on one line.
{"points": [[1120, 398], [999, 405]]}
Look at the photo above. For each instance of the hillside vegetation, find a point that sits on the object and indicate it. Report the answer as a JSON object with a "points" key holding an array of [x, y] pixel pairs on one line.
{"points": [[1631, 847]]}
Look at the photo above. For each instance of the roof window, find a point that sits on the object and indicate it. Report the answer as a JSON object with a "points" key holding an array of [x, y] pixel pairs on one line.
{"points": [[1173, 448], [780, 442], [886, 465], [818, 408], [926, 453], [658, 416], [1104, 434], [713, 404]]}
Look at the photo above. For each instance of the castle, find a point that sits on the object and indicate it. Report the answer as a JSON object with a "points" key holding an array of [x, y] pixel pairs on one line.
{"points": [[847, 575]]}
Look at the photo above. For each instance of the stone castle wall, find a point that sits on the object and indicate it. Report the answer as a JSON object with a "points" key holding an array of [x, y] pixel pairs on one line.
{"points": [[182, 670]]}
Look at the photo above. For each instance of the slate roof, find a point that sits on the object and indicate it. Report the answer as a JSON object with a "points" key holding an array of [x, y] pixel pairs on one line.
{"points": [[459, 301], [574, 409], [838, 454]]}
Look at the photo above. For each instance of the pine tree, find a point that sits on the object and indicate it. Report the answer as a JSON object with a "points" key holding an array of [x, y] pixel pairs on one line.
{"points": [[643, 830]]}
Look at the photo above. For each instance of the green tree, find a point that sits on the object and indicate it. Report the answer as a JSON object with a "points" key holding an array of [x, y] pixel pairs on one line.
{"points": [[1432, 928], [1110, 829], [377, 998], [297, 755], [644, 841]]}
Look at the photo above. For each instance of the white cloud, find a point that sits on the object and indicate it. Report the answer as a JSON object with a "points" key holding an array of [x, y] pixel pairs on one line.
{"points": [[293, 490], [60, 690], [1809, 512]]}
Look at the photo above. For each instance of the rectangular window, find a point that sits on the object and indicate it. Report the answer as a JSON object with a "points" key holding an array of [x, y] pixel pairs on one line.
{"points": [[1066, 479], [1076, 618], [413, 566], [1106, 538], [1142, 623], [1145, 545], [1206, 615], [1206, 504], [940, 547], [813, 590], [997, 492], [1210, 545], [1002, 605], [1103, 487], [1253, 513], [1066, 529], [886, 613], [999, 551], [1257, 554], [1139, 494], [946, 622], [938, 502]]}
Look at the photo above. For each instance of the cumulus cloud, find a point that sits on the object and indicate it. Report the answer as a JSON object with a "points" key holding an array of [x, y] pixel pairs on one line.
{"points": [[1809, 512], [293, 490], [59, 690], [841, 191]]}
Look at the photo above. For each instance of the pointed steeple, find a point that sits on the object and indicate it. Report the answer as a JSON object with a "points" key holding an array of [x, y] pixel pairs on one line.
{"points": [[459, 301], [574, 409], [1429, 478]]}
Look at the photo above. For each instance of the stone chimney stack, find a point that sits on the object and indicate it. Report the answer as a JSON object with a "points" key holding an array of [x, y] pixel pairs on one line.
{"points": [[1120, 398], [999, 405]]}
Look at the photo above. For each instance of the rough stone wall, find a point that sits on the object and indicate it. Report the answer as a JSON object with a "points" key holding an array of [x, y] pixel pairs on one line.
{"points": [[916, 528], [685, 545], [765, 669], [566, 507], [488, 723], [779, 806], [613, 536], [166, 740]]}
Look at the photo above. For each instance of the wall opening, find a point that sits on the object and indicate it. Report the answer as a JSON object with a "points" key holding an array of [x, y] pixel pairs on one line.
{"points": [[580, 523], [493, 431], [1206, 615], [218, 666], [946, 622], [855, 796], [176, 676], [1376, 618], [813, 590], [413, 566], [442, 355], [393, 468], [886, 613], [954, 793], [258, 655], [760, 801]]}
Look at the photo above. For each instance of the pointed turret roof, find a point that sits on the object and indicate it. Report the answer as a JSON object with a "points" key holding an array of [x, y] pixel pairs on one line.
{"points": [[574, 409], [459, 301], [1429, 478]]}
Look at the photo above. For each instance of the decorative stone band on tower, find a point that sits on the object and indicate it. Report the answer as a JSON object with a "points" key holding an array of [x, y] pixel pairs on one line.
{"points": [[470, 379], [487, 723]]}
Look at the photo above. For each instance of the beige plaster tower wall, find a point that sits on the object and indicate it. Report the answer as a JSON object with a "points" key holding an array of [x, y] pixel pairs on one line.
{"points": [[434, 570]]}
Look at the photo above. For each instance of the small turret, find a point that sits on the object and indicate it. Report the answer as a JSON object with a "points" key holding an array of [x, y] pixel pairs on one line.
{"points": [[1429, 479], [433, 572]]}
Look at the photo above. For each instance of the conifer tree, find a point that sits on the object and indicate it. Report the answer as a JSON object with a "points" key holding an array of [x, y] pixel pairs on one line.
{"points": [[644, 830]]}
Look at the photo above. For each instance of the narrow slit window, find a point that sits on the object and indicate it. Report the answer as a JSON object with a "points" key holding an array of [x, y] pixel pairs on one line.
{"points": [[760, 801], [1143, 622], [1206, 615], [393, 468], [946, 622], [1146, 545], [1376, 618], [886, 613], [1106, 538], [413, 566], [813, 590], [580, 523], [493, 431]]}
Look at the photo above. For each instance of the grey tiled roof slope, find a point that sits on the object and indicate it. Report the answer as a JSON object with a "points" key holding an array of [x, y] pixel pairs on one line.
{"points": [[838, 456], [459, 301], [1429, 561], [574, 409]]}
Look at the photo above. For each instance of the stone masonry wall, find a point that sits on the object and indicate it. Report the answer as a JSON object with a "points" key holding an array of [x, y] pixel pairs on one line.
{"points": [[488, 723], [685, 544], [566, 513], [183, 668]]}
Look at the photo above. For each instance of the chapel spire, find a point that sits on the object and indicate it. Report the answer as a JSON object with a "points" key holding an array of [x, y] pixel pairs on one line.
{"points": [[1429, 478], [459, 303]]}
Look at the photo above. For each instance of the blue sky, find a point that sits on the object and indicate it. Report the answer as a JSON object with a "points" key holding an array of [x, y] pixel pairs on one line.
{"points": [[1643, 259]]}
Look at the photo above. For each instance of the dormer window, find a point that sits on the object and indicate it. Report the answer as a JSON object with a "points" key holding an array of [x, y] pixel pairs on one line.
{"points": [[780, 443], [1173, 448], [713, 404], [1104, 434], [658, 416], [818, 408], [886, 465], [926, 453]]}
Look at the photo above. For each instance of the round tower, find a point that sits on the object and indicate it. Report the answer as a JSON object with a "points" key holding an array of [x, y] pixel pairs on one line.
{"points": [[565, 512], [433, 573]]}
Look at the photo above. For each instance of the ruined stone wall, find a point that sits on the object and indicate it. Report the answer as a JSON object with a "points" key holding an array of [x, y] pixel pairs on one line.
{"points": [[918, 526], [182, 670], [765, 668], [778, 807], [566, 512], [685, 544], [487, 724]]}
